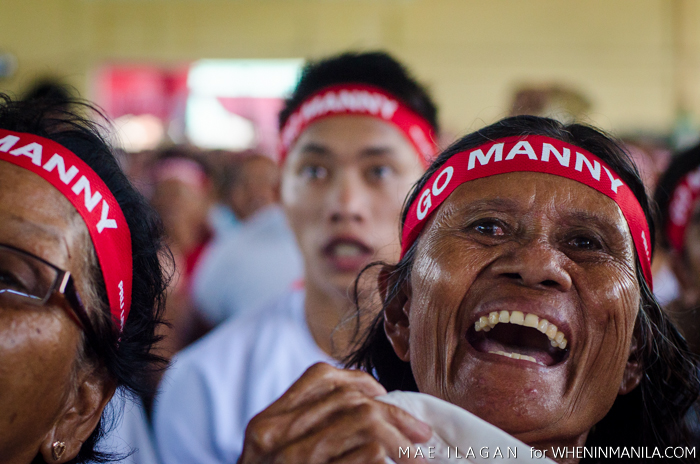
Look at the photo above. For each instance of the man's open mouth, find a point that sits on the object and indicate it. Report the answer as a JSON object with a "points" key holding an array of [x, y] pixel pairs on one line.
{"points": [[516, 335]]}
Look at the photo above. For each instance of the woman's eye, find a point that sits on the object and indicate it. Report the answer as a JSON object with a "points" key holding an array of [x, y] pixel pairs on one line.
{"points": [[314, 172], [585, 243], [490, 228], [10, 281]]}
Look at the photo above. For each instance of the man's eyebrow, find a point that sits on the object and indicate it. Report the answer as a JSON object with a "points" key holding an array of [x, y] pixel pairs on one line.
{"points": [[379, 150], [315, 149]]}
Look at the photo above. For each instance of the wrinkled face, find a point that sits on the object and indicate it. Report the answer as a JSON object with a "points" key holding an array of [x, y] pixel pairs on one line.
{"points": [[507, 267], [38, 344], [343, 186]]}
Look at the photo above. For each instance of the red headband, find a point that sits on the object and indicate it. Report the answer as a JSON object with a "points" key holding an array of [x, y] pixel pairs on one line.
{"points": [[680, 209], [95, 203], [529, 154], [365, 100]]}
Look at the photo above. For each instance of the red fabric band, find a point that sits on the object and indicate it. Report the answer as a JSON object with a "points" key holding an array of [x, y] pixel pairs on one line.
{"points": [[95, 203], [529, 154], [680, 209], [365, 100]]}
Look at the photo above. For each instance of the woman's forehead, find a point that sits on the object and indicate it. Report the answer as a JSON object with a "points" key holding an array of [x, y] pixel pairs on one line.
{"points": [[36, 217], [533, 191]]}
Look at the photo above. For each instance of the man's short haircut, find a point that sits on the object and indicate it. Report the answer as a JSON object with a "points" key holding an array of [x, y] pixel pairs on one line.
{"points": [[373, 68]]}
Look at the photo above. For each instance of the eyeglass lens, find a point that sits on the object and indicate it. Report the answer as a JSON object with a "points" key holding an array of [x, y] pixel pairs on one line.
{"points": [[25, 277]]}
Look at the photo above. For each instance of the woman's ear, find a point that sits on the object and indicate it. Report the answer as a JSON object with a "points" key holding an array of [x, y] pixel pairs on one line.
{"points": [[633, 370], [79, 419], [396, 312]]}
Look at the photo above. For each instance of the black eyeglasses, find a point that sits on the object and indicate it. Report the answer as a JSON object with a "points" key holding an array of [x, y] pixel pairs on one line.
{"points": [[28, 279]]}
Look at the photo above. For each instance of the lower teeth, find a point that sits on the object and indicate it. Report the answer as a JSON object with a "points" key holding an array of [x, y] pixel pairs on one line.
{"points": [[517, 356]]}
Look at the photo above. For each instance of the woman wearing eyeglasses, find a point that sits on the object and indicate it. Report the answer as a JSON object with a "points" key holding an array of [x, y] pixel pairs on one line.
{"points": [[81, 285]]}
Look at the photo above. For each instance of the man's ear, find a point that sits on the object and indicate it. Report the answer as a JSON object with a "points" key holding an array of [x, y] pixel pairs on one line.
{"points": [[634, 369], [396, 312], [79, 419]]}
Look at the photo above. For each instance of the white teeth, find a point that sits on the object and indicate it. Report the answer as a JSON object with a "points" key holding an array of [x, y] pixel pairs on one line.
{"points": [[517, 317], [517, 356], [346, 250], [493, 318], [486, 323], [531, 321]]}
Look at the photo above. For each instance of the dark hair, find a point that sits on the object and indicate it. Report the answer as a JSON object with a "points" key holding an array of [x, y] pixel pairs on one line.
{"points": [[128, 358], [375, 68], [681, 165], [654, 414]]}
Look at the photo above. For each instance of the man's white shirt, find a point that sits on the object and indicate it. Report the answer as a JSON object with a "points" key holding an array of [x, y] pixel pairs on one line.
{"points": [[249, 266], [218, 384]]}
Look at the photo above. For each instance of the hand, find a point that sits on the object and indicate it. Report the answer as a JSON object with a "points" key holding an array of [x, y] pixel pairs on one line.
{"points": [[330, 416]]}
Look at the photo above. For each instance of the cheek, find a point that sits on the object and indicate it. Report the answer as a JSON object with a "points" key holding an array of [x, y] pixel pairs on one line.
{"points": [[302, 208], [37, 349], [610, 319], [435, 318]]}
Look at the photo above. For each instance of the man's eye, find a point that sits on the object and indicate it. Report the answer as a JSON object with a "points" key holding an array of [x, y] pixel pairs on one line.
{"points": [[490, 228], [314, 172], [380, 172]]}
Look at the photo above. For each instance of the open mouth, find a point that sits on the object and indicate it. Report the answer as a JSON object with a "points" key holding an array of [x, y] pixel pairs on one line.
{"points": [[516, 335], [347, 253]]}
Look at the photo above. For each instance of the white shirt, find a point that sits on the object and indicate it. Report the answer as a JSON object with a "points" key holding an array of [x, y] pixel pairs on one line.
{"points": [[242, 270], [459, 435], [218, 384]]}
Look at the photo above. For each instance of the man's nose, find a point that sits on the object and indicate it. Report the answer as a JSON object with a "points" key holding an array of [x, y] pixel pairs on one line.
{"points": [[349, 199]]}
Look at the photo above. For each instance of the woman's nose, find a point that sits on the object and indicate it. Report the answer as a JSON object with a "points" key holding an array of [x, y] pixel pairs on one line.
{"points": [[348, 202], [534, 263]]}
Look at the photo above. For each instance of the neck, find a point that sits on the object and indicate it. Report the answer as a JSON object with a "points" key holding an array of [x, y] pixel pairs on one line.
{"points": [[325, 311]]}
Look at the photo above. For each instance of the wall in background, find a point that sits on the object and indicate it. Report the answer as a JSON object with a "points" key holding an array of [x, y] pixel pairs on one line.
{"points": [[638, 61]]}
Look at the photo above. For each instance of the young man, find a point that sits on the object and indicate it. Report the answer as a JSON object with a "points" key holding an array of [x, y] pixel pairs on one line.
{"points": [[355, 135]]}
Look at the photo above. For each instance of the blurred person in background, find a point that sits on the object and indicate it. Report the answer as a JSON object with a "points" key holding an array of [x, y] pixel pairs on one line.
{"points": [[182, 196], [652, 157], [356, 133], [259, 260], [678, 198]]}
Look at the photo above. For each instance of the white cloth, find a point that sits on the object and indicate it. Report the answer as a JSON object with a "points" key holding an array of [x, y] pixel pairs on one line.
{"points": [[218, 384], [248, 267], [132, 435], [457, 432]]}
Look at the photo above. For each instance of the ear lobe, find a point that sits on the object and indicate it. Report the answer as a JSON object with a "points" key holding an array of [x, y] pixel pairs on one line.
{"points": [[633, 370], [396, 314], [82, 413]]}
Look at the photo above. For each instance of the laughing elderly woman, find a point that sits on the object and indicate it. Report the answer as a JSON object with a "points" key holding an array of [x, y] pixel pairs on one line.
{"points": [[81, 285], [523, 296]]}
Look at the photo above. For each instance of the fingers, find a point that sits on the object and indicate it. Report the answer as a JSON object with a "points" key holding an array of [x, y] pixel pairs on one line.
{"points": [[331, 414], [363, 429], [321, 379]]}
